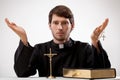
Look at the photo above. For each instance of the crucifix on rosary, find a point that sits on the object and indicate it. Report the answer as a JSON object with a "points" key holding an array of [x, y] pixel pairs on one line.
{"points": [[103, 35], [50, 55]]}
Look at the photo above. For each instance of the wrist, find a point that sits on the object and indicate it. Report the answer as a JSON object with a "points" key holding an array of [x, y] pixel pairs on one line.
{"points": [[25, 42], [95, 44]]}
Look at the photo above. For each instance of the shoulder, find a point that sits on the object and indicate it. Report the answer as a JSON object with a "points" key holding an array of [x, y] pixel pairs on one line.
{"points": [[45, 44], [80, 43], [83, 47]]}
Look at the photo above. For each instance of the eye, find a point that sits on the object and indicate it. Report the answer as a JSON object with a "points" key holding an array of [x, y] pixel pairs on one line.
{"points": [[64, 23], [55, 22]]}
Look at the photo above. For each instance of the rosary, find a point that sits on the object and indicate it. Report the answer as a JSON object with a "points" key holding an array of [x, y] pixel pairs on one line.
{"points": [[103, 35]]}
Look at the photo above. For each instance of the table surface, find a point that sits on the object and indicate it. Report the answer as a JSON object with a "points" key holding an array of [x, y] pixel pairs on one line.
{"points": [[57, 78]]}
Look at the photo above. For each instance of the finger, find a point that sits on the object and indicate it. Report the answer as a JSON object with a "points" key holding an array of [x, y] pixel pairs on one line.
{"points": [[7, 21], [97, 30], [12, 25], [104, 25]]}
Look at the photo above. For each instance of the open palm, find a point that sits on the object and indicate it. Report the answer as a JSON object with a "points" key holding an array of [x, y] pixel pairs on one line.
{"points": [[18, 30], [97, 32]]}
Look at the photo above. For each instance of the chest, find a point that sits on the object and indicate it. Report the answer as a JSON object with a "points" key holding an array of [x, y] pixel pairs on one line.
{"points": [[68, 57]]}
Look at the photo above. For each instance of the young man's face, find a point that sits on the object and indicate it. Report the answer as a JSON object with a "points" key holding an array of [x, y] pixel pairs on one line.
{"points": [[60, 27]]}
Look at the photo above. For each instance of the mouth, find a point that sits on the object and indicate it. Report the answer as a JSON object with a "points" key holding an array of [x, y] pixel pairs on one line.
{"points": [[60, 33]]}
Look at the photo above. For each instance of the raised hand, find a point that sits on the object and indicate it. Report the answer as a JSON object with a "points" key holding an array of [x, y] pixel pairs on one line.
{"points": [[18, 30], [97, 32]]}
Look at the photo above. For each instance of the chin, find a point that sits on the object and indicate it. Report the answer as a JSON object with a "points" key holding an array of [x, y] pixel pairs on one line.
{"points": [[60, 39]]}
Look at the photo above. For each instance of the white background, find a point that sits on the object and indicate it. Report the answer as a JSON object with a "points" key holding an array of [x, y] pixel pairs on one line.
{"points": [[32, 15]]}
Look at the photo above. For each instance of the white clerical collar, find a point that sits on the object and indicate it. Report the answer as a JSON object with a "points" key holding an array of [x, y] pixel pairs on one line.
{"points": [[61, 46]]}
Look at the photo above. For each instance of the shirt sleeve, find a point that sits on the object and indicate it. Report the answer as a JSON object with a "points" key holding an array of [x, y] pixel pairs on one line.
{"points": [[22, 59], [101, 59]]}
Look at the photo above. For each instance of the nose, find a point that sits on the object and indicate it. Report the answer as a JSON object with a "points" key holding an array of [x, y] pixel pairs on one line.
{"points": [[60, 26]]}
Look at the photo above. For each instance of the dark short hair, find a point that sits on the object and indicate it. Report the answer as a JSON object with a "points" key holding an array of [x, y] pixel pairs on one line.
{"points": [[62, 11]]}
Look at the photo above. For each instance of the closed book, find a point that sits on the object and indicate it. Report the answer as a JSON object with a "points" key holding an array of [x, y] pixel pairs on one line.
{"points": [[90, 73]]}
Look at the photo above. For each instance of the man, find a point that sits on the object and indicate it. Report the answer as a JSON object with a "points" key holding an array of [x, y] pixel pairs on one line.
{"points": [[70, 53]]}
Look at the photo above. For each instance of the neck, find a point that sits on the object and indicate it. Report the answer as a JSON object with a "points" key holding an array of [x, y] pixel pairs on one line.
{"points": [[60, 41]]}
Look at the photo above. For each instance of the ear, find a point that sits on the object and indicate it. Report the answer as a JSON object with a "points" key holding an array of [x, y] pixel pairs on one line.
{"points": [[49, 25], [72, 26]]}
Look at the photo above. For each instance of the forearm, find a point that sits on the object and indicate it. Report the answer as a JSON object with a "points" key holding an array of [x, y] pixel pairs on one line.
{"points": [[95, 44], [22, 57], [101, 59]]}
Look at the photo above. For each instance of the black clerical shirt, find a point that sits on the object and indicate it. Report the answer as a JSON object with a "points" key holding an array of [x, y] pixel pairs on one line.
{"points": [[72, 54]]}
